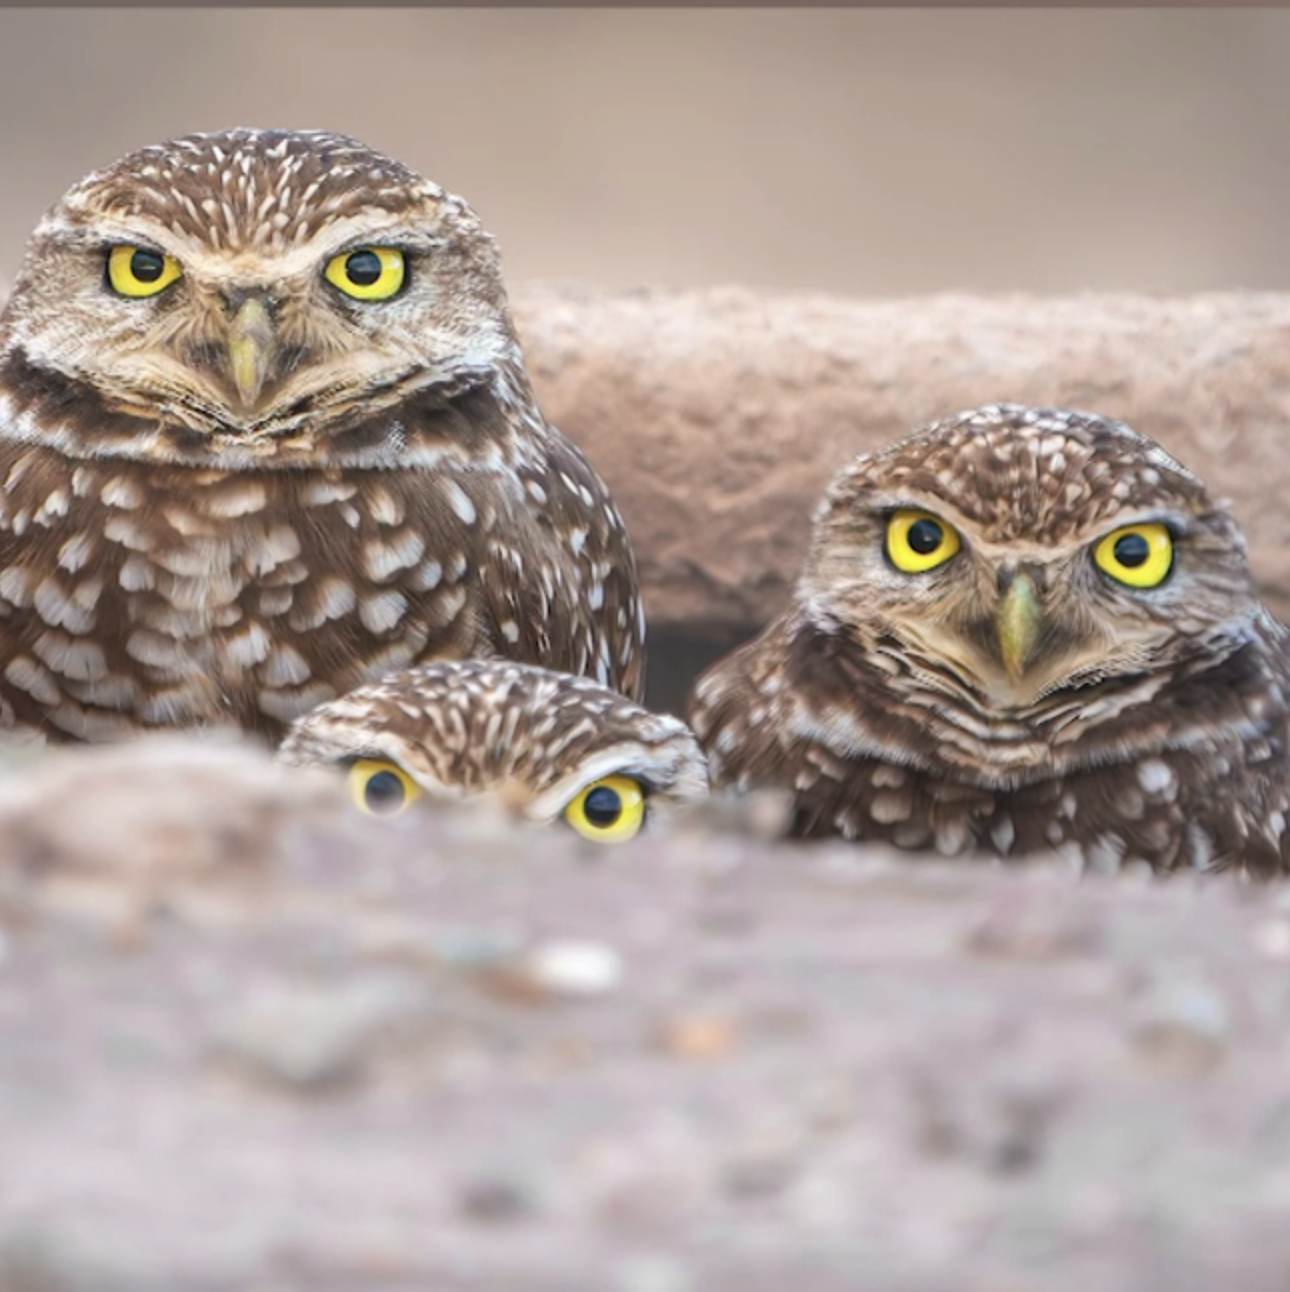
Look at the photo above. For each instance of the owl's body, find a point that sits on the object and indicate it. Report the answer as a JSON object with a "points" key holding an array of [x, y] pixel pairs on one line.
{"points": [[1023, 688], [230, 497], [532, 738], [139, 595]]}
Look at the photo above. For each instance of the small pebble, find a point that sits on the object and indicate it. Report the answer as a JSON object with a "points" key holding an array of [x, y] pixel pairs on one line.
{"points": [[574, 968], [698, 1036], [654, 1274], [756, 1173], [495, 1201], [1273, 939], [1182, 1029], [1025, 930], [403, 941], [315, 1036]]}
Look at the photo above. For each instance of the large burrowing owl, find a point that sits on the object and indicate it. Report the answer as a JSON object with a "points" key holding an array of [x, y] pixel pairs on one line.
{"points": [[548, 745], [1019, 631], [265, 435]]}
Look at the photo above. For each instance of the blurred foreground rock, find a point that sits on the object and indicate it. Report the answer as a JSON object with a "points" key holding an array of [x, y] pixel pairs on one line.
{"points": [[444, 1053], [718, 417]]}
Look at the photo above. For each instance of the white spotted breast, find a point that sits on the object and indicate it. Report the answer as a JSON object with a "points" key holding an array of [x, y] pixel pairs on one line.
{"points": [[136, 596]]}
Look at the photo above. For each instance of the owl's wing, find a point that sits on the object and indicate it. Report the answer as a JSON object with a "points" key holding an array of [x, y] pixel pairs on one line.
{"points": [[568, 598], [797, 709], [736, 709]]}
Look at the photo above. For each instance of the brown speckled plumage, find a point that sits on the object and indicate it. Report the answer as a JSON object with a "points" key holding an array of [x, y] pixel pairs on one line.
{"points": [[172, 556], [1148, 727], [530, 736]]}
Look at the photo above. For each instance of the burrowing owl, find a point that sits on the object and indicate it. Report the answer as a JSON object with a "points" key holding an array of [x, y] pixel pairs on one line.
{"points": [[1019, 631], [266, 434], [548, 745]]}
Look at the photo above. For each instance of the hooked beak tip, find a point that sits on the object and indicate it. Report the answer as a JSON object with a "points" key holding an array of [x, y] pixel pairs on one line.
{"points": [[1018, 621], [251, 351]]}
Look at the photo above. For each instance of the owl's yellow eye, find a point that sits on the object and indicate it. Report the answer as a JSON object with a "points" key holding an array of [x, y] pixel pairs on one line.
{"points": [[367, 273], [141, 271], [380, 788], [608, 810], [917, 541], [1139, 555]]}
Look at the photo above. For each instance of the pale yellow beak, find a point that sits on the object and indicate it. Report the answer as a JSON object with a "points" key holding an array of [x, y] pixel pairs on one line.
{"points": [[252, 349], [1017, 623]]}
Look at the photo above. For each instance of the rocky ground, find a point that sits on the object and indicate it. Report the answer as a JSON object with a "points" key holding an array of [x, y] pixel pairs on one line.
{"points": [[249, 1040]]}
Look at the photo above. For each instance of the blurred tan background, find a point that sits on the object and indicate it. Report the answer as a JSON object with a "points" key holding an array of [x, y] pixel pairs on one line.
{"points": [[861, 152]]}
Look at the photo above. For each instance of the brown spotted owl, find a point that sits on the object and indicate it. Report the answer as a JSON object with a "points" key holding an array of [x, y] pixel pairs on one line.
{"points": [[1019, 632], [549, 746], [265, 435]]}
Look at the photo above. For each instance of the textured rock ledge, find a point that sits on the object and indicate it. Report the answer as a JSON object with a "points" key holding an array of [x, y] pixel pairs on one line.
{"points": [[436, 1053], [718, 417]]}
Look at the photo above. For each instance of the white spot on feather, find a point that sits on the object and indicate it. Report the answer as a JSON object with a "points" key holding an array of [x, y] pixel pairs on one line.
{"points": [[285, 667], [1156, 777], [79, 660], [15, 586], [228, 504], [382, 559], [123, 493], [459, 501], [24, 673], [248, 647], [382, 612], [55, 607]]}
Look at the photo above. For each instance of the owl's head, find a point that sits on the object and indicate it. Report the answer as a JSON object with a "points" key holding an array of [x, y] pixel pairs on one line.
{"points": [[252, 292], [548, 746], [1012, 553]]}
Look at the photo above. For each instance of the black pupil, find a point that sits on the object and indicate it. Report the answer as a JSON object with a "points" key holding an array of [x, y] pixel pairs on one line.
{"points": [[383, 792], [363, 268], [924, 537], [602, 807], [1131, 550], [147, 266]]}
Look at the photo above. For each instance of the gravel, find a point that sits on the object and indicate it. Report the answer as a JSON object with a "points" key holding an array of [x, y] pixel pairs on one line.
{"points": [[445, 1053]]}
